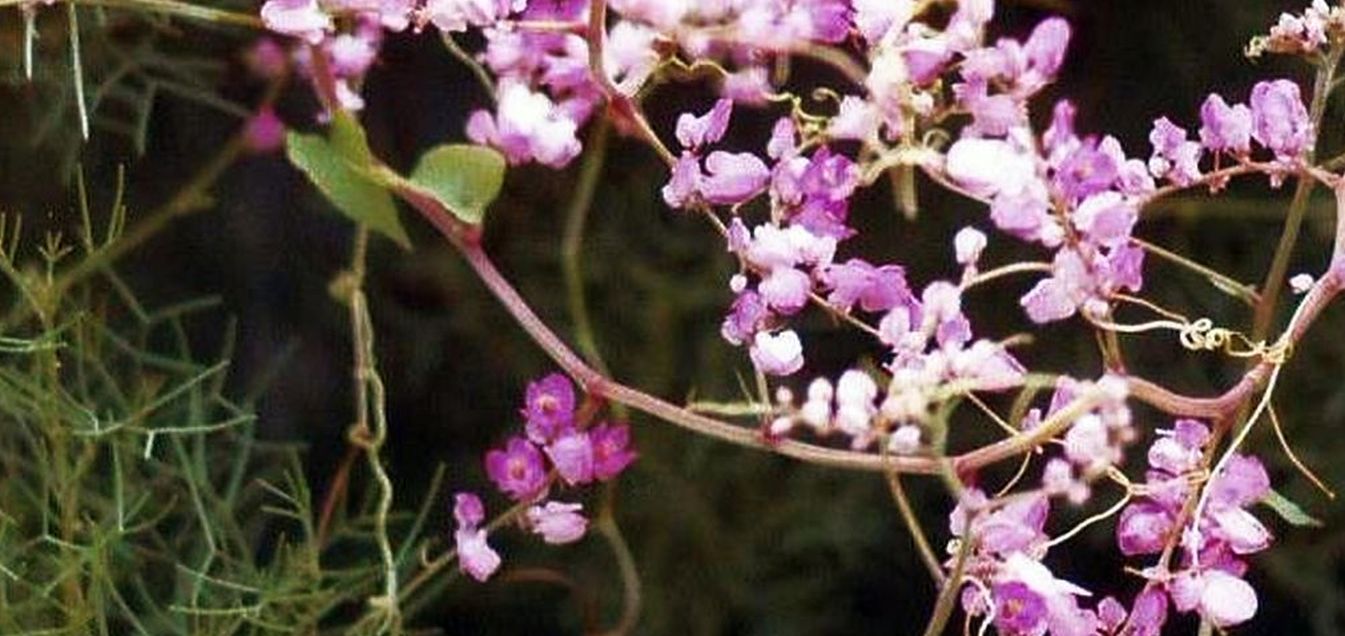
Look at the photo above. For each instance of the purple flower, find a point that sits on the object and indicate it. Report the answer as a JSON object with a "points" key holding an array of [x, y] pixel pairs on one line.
{"points": [[1280, 122], [611, 450], [572, 455], [1149, 612], [475, 556], [517, 470], [1144, 528], [696, 132], [987, 167], [1243, 482], [746, 317], [1225, 128], [1085, 172], [1018, 609], [1106, 218], [873, 288], [684, 183], [1111, 614], [467, 510], [558, 523], [1045, 48], [299, 18], [733, 177], [1174, 157], [968, 245], [549, 408]]}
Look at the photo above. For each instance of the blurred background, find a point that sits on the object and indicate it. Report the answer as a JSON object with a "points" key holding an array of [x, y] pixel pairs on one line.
{"points": [[726, 540]]}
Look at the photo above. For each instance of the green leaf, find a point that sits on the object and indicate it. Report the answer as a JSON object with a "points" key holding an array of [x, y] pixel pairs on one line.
{"points": [[464, 178], [340, 166], [1290, 511]]}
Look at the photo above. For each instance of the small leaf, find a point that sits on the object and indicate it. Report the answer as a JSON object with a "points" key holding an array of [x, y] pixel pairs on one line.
{"points": [[1290, 511], [464, 178], [340, 166]]}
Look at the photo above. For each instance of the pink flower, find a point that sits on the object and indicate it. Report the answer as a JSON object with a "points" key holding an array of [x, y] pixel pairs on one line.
{"points": [[264, 132], [527, 126], [1174, 157], [611, 450], [968, 245], [475, 556], [549, 408], [1143, 528], [299, 18], [777, 354], [785, 290], [557, 522], [1045, 48], [517, 470], [457, 15], [572, 455]]}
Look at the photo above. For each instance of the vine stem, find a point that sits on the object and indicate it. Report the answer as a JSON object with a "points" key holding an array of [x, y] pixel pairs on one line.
{"points": [[467, 240], [1279, 265]]}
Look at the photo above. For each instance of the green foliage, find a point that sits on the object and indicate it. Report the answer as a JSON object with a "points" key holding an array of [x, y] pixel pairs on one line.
{"points": [[464, 178], [1290, 511], [136, 495], [339, 165]]}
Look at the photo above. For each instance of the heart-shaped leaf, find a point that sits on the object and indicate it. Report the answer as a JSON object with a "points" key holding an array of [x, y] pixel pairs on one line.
{"points": [[339, 166], [464, 178]]}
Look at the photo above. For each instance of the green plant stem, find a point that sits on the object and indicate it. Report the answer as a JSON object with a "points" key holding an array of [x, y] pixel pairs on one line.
{"points": [[572, 243], [917, 531], [631, 598], [1293, 222], [371, 433], [943, 606]]}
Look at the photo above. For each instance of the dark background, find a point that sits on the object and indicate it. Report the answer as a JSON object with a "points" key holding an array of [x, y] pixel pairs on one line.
{"points": [[727, 540]]}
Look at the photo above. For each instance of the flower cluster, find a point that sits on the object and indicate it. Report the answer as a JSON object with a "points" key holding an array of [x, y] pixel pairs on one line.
{"points": [[1005, 576], [1210, 579], [1303, 34], [554, 442]]}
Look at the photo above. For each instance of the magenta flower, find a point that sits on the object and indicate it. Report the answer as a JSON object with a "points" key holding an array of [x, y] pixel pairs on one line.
{"points": [[468, 510], [611, 450], [1018, 609], [549, 408], [572, 455], [517, 470], [1280, 121], [1225, 128], [526, 126], [558, 523], [264, 132]]}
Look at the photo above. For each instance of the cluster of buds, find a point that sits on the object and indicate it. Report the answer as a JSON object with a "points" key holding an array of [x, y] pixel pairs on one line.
{"points": [[556, 445]]}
